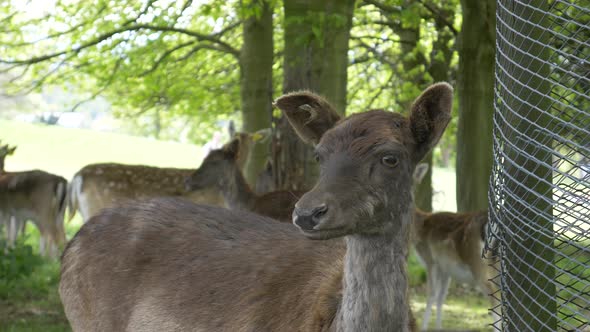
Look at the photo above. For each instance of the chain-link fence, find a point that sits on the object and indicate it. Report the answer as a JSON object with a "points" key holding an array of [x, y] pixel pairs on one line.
{"points": [[540, 186]]}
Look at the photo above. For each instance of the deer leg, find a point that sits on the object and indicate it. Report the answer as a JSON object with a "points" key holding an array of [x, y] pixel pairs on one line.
{"points": [[444, 282], [431, 284], [22, 227], [491, 289], [42, 245], [12, 233]]}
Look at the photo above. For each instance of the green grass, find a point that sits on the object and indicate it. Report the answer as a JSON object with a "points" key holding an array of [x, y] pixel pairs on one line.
{"points": [[64, 151], [464, 309]]}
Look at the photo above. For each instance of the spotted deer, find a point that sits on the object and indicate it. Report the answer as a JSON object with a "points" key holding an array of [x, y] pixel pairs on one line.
{"points": [[98, 186], [221, 170], [450, 245], [170, 265]]}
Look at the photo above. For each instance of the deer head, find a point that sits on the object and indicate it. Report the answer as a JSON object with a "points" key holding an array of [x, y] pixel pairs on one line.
{"points": [[368, 157]]}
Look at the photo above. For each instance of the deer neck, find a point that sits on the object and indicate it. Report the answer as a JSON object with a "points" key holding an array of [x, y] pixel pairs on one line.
{"points": [[237, 192], [375, 283], [418, 222], [2, 165]]}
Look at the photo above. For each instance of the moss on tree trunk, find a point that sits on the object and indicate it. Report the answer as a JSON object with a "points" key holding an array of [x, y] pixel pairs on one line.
{"points": [[256, 60], [476, 98], [315, 58]]}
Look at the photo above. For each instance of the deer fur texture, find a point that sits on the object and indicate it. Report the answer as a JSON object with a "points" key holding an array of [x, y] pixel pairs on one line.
{"points": [[167, 264], [220, 170], [450, 246], [37, 196], [98, 186]]}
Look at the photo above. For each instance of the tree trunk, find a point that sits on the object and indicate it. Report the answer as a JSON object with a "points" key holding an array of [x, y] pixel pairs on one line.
{"points": [[410, 59], [256, 60], [440, 62], [476, 98], [315, 58], [525, 138]]}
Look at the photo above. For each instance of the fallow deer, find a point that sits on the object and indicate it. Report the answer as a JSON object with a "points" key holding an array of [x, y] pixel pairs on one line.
{"points": [[170, 265], [12, 226], [450, 245], [221, 170], [37, 196], [98, 186]]}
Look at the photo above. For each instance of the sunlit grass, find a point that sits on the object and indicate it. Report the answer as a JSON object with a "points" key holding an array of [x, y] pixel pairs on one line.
{"points": [[64, 151], [464, 309]]}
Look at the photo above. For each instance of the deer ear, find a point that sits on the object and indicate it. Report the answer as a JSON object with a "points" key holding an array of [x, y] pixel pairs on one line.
{"points": [[420, 172], [431, 112], [11, 150], [232, 149], [309, 114]]}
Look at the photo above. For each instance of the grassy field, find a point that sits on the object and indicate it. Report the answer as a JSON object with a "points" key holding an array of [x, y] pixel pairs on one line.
{"points": [[32, 302], [64, 151]]}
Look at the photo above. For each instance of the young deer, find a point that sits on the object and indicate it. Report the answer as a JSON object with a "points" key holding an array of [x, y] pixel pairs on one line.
{"points": [[450, 245], [99, 186], [167, 264], [220, 170]]}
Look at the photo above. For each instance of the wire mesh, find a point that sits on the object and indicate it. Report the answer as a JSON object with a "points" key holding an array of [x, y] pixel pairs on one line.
{"points": [[540, 184]]}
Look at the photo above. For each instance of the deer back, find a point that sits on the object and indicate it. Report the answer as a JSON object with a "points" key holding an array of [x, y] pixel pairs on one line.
{"points": [[306, 273], [99, 186], [35, 195]]}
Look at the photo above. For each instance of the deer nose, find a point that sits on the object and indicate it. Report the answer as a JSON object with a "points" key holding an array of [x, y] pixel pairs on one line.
{"points": [[307, 219]]}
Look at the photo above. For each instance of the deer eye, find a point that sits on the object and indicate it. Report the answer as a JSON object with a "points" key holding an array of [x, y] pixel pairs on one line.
{"points": [[390, 161]]}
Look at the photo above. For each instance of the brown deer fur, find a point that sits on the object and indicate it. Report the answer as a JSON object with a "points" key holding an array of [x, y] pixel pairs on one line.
{"points": [[98, 186], [38, 196], [167, 264], [450, 246], [220, 170]]}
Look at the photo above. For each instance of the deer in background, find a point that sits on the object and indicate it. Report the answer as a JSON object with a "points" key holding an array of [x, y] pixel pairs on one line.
{"points": [[221, 170], [11, 226], [5, 150], [171, 265], [98, 186], [33, 195], [450, 245]]}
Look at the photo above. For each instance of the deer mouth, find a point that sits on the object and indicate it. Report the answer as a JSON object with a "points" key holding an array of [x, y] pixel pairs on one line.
{"points": [[324, 234]]}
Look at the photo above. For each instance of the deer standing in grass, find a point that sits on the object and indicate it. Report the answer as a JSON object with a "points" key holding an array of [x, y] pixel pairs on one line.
{"points": [[37, 196], [98, 186], [11, 226], [450, 245], [221, 170], [170, 265]]}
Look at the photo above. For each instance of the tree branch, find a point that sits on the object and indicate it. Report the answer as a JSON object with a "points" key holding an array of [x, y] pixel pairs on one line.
{"points": [[438, 14], [103, 88], [384, 7], [381, 88], [196, 49], [164, 56], [214, 38]]}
